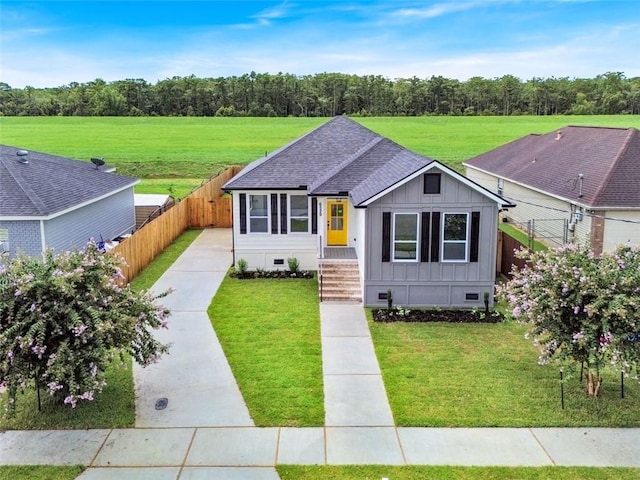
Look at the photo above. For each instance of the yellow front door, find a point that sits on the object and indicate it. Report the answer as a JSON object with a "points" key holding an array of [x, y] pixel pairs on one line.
{"points": [[337, 223]]}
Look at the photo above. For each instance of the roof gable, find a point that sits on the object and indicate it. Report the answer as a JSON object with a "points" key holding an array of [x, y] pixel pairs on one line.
{"points": [[49, 184], [594, 166]]}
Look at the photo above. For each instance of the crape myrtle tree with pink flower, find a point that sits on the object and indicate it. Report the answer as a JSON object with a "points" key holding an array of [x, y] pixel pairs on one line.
{"points": [[65, 317], [582, 309]]}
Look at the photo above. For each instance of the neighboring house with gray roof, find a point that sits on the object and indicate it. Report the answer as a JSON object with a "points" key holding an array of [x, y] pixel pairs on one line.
{"points": [[578, 184], [47, 201], [342, 194]]}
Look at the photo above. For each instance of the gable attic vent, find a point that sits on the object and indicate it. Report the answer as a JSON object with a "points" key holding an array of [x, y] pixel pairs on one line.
{"points": [[23, 156]]}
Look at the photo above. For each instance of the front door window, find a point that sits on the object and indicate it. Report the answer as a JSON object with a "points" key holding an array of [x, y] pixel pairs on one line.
{"points": [[337, 224]]}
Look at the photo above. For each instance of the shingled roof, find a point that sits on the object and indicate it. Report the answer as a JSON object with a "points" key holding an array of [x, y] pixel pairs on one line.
{"points": [[607, 158], [337, 157], [49, 184]]}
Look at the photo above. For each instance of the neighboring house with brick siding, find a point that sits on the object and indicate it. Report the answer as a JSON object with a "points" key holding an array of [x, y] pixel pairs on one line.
{"points": [[54, 202], [583, 179], [342, 194]]}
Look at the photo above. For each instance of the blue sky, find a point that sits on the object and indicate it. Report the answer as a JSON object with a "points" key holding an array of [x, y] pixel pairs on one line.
{"points": [[53, 43]]}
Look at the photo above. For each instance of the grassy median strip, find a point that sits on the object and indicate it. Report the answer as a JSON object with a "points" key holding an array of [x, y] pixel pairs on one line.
{"points": [[368, 472], [115, 406], [487, 375], [270, 332]]}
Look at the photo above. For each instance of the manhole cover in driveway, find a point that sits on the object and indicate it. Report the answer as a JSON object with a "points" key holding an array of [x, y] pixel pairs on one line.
{"points": [[161, 403]]}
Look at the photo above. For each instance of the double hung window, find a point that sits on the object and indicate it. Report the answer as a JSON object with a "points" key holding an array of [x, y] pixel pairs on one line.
{"points": [[455, 237], [258, 214], [405, 237], [299, 213]]}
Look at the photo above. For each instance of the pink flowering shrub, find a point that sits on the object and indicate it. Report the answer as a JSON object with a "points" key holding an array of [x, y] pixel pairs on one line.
{"points": [[581, 308], [65, 317]]}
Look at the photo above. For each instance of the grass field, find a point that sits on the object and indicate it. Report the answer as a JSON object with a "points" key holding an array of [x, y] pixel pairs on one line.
{"points": [[178, 152]]}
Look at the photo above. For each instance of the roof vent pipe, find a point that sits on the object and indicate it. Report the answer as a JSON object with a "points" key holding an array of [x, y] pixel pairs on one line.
{"points": [[23, 156], [558, 134], [580, 182]]}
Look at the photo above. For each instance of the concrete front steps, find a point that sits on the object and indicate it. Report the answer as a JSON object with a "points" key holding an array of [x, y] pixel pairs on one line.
{"points": [[339, 281]]}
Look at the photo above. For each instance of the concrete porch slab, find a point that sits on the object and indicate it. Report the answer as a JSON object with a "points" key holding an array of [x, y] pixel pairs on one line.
{"points": [[50, 447], [145, 448], [234, 447], [596, 447], [301, 446], [349, 356], [356, 400], [363, 446]]}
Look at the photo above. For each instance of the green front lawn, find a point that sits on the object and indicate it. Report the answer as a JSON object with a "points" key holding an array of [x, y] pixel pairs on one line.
{"points": [[486, 375], [270, 332], [368, 472]]}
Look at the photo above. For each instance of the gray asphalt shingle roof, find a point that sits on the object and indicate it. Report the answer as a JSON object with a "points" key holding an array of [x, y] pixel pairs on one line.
{"points": [[49, 184], [339, 156], [607, 158]]}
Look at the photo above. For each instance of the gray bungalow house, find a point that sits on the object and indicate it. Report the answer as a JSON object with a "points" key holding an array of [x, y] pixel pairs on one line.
{"points": [[344, 194], [54, 202]]}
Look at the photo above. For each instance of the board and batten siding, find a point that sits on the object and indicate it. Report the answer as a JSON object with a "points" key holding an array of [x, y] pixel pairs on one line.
{"points": [[431, 283], [548, 213], [110, 217], [270, 251], [23, 236]]}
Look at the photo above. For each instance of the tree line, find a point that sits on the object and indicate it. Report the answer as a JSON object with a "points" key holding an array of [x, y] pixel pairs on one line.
{"points": [[328, 94]]}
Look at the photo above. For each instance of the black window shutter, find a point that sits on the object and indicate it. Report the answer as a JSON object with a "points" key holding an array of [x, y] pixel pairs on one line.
{"points": [[274, 213], [435, 236], [424, 236], [386, 236], [314, 215], [243, 212], [283, 213], [475, 236]]}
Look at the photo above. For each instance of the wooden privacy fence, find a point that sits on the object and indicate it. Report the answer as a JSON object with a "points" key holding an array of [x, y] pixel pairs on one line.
{"points": [[207, 206], [506, 253]]}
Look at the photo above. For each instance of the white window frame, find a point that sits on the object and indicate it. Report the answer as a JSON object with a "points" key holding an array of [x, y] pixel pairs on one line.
{"points": [[292, 217], [394, 241], [465, 242], [500, 186], [250, 217]]}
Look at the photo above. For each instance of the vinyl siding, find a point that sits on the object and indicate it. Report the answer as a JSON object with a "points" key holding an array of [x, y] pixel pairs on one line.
{"points": [[431, 283], [107, 218], [547, 213], [621, 232], [24, 236], [260, 250]]}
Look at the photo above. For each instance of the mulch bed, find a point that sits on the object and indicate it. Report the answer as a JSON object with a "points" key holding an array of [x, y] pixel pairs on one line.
{"points": [[435, 315], [272, 274]]}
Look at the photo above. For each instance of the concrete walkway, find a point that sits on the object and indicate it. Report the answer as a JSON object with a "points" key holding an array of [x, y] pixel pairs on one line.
{"points": [[354, 393], [195, 377], [206, 431]]}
